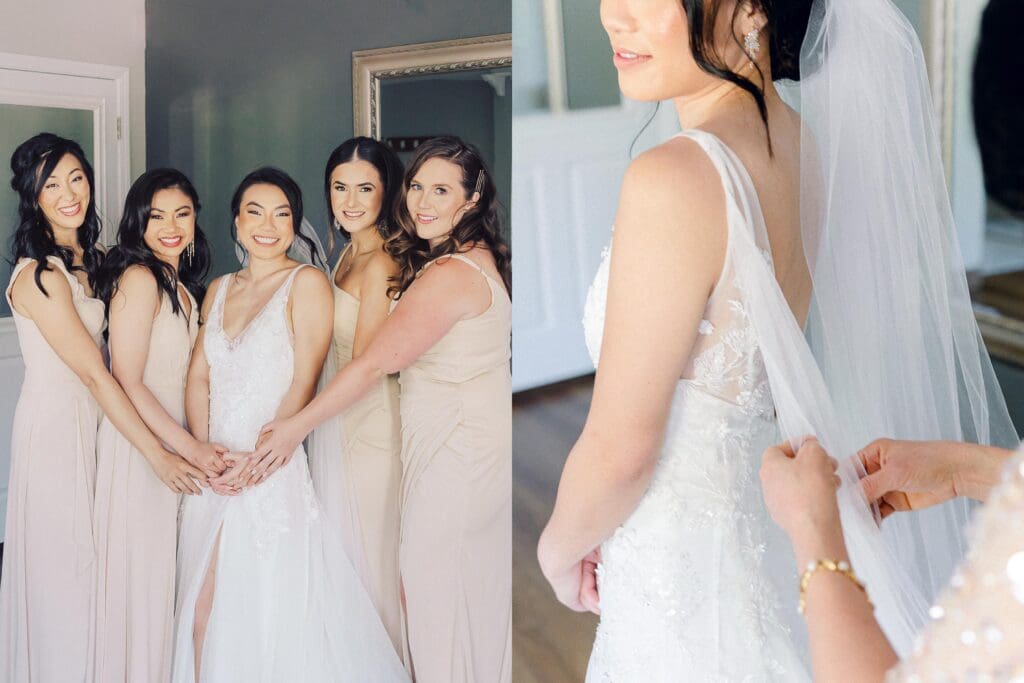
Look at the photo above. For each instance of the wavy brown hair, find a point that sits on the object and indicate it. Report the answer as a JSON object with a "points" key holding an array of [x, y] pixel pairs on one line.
{"points": [[479, 224]]}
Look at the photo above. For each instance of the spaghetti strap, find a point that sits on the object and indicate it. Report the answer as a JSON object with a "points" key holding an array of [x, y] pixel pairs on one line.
{"points": [[466, 259], [286, 286]]}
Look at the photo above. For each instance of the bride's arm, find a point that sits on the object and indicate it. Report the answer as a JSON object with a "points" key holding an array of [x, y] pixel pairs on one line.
{"points": [[312, 316], [446, 293], [197, 386], [668, 250]]}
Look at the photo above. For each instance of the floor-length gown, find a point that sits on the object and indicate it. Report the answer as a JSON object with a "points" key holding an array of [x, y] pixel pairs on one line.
{"points": [[136, 522], [456, 546], [372, 433], [287, 603], [686, 583], [47, 593]]}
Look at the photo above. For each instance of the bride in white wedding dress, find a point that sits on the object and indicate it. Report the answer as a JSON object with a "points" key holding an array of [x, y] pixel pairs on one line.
{"points": [[265, 592], [696, 321]]}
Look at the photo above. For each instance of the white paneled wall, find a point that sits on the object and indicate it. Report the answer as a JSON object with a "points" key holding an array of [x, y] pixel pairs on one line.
{"points": [[566, 173], [12, 372]]}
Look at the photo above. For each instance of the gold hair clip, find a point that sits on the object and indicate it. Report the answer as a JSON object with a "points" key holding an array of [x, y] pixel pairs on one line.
{"points": [[479, 181]]}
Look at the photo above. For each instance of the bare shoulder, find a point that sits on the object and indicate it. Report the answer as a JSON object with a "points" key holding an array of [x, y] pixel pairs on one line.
{"points": [[311, 280], [450, 271], [446, 280], [672, 191], [381, 265], [137, 278], [312, 287], [677, 174], [54, 281], [211, 295]]}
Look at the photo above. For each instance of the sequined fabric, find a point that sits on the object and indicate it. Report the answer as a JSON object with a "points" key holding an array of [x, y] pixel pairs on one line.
{"points": [[977, 628]]}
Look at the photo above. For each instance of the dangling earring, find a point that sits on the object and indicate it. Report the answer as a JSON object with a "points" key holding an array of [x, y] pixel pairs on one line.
{"points": [[337, 225], [752, 43], [190, 251]]}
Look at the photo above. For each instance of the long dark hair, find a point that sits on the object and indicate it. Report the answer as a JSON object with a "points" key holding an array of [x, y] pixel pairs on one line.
{"points": [[388, 165], [785, 28], [268, 175], [32, 163], [132, 250], [479, 224]]}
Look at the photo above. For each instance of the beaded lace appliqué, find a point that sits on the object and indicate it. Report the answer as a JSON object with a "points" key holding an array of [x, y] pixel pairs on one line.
{"points": [[660, 576]]}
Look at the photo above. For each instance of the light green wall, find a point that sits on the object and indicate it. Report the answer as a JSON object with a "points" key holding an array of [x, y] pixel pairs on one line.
{"points": [[470, 109], [252, 82], [590, 76]]}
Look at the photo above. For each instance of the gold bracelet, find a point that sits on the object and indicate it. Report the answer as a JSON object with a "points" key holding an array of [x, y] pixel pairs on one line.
{"points": [[841, 567]]}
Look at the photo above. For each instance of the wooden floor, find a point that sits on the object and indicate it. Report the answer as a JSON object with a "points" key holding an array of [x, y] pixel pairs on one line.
{"points": [[550, 643]]}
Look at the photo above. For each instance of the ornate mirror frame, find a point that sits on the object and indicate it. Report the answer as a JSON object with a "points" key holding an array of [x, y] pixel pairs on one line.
{"points": [[370, 67]]}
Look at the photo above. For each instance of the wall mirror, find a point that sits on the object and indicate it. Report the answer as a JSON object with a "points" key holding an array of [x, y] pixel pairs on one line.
{"points": [[406, 94]]}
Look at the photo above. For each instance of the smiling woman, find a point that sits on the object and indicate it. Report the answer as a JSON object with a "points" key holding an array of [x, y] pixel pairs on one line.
{"points": [[264, 556], [48, 585], [448, 336], [152, 284]]}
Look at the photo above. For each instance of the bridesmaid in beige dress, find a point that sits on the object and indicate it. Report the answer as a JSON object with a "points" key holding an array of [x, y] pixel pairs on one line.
{"points": [[361, 181], [152, 282], [448, 334], [47, 591]]}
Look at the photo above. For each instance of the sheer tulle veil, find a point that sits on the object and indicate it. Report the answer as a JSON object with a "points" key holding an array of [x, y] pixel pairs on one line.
{"points": [[893, 348]]}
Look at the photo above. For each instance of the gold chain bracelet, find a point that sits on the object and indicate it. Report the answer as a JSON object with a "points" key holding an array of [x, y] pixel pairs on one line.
{"points": [[841, 567]]}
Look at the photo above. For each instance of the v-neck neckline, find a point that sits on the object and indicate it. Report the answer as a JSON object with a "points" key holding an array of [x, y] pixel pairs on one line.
{"points": [[233, 340]]}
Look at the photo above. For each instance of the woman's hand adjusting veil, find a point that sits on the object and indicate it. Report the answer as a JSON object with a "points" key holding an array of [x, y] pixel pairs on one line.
{"points": [[912, 475]]}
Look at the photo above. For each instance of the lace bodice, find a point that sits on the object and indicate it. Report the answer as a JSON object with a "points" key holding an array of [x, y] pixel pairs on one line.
{"points": [[259, 362], [725, 361]]}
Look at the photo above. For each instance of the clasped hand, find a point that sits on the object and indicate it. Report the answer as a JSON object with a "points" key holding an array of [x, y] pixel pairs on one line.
{"points": [[277, 443]]}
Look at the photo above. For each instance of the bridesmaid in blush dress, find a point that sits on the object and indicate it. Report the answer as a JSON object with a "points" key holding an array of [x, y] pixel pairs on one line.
{"points": [[448, 334], [361, 182], [152, 283], [47, 593]]}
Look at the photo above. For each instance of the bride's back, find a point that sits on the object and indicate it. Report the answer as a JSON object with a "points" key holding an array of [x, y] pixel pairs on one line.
{"points": [[776, 178]]}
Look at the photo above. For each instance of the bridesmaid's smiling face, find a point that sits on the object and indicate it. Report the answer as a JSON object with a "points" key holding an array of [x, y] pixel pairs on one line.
{"points": [[66, 194], [172, 224], [650, 43], [357, 195], [436, 199], [264, 222]]}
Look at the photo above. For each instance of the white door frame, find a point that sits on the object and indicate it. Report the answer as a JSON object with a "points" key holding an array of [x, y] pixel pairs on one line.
{"points": [[110, 117], [103, 90]]}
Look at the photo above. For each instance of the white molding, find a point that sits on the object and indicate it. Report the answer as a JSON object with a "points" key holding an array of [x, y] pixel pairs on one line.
{"points": [[370, 67], [61, 67], [554, 45], [119, 78], [8, 341]]}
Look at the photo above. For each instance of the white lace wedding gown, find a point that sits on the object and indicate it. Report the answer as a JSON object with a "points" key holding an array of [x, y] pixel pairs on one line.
{"points": [[288, 605], [688, 582]]}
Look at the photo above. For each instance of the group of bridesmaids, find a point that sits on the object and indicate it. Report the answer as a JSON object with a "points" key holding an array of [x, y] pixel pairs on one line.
{"points": [[416, 481]]}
